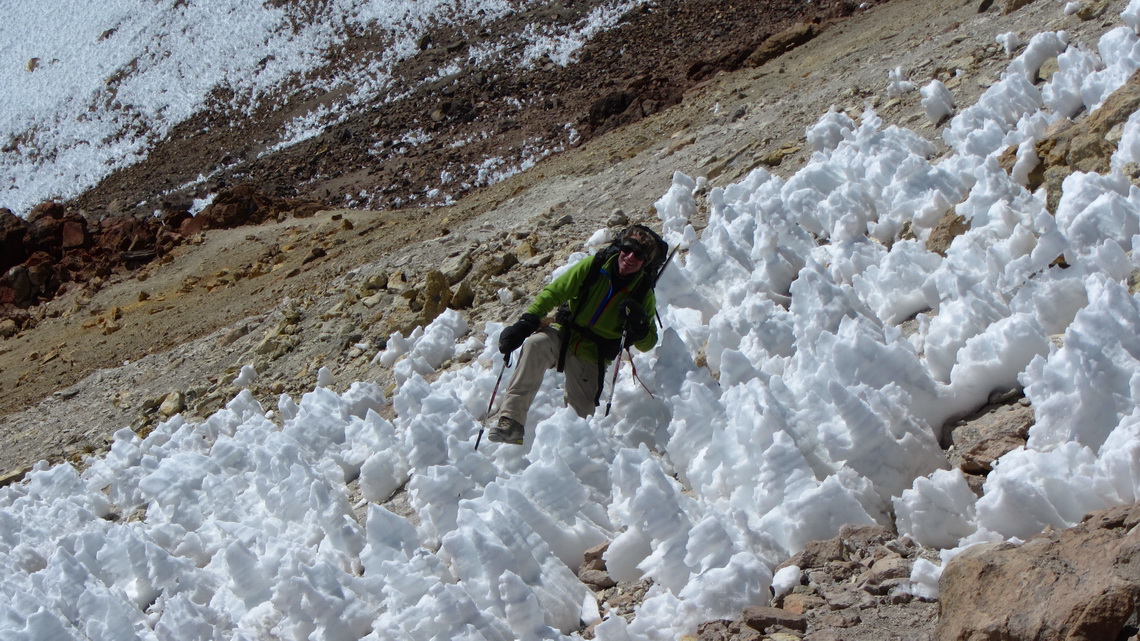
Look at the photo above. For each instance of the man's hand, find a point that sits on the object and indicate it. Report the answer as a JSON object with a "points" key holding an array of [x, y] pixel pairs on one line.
{"points": [[635, 321], [512, 336]]}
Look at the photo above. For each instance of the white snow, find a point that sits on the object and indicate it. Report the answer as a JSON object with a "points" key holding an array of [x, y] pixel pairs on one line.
{"points": [[821, 405], [246, 377], [937, 101], [87, 91], [897, 84]]}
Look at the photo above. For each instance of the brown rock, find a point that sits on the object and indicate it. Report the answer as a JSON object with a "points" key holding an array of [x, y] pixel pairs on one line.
{"points": [[843, 619], [464, 296], [74, 233], [41, 273], [891, 567], [824, 635], [1090, 152], [841, 597], [173, 219], [1092, 10], [18, 289], [46, 210], [816, 554], [1008, 158], [782, 43], [802, 603], [609, 105], [593, 558], [457, 267], [435, 295], [13, 476], [495, 265], [842, 570], [1083, 584], [1014, 5], [192, 225], [13, 231], [245, 205], [864, 537], [950, 227], [761, 618], [725, 631], [982, 438], [1083, 146], [45, 235], [124, 236], [599, 579], [234, 207], [315, 253]]}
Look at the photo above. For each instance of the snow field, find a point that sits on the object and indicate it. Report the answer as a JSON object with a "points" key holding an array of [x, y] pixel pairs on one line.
{"points": [[91, 92]]}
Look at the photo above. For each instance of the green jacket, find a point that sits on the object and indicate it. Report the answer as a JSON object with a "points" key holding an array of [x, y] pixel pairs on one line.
{"points": [[599, 311]]}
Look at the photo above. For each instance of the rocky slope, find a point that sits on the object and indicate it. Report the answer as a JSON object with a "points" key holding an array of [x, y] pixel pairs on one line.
{"points": [[136, 340]]}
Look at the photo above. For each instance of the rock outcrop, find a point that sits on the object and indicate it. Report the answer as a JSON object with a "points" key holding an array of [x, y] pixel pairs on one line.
{"points": [[1079, 584], [53, 247]]}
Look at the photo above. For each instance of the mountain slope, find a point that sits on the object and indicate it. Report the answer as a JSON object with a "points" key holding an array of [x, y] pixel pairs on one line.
{"points": [[723, 128], [338, 313]]}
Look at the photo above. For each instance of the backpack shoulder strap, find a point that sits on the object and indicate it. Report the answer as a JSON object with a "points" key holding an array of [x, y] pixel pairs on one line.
{"points": [[597, 261]]}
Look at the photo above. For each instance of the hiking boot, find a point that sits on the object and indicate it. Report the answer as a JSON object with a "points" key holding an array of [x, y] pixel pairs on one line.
{"points": [[507, 431]]}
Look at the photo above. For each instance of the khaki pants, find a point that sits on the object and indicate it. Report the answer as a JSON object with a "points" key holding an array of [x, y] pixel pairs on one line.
{"points": [[540, 353]]}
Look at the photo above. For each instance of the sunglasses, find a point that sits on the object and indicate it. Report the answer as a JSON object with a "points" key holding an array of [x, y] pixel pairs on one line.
{"points": [[636, 250]]}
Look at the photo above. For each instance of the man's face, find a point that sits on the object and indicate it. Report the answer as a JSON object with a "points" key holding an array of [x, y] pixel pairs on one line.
{"points": [[631, 258]]}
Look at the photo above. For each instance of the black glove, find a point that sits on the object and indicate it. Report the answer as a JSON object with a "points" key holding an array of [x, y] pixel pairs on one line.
{"points": [[512, 336], [635, 321]]}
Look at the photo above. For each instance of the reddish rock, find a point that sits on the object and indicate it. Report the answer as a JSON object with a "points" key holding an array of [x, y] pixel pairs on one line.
{"points": [[77, 266], [126, 235], [45, 234], [241, 205], [303, 208], [192, 226], [13, 234], [42, 273], [9, 297], [172, 220], [74, 233], [17, 288], [40, 255], [46, 210], [244, 205]]}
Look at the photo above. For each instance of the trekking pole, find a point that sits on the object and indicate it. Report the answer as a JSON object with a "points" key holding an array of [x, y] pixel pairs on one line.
{"points": [[494, 392], [617, 365]]}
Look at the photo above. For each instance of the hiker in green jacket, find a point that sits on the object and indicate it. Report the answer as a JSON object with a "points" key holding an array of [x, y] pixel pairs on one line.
{"points": [[597, 298]]}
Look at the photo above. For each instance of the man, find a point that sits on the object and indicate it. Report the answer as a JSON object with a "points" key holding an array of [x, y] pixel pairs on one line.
{"points": [[587, 334]]}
